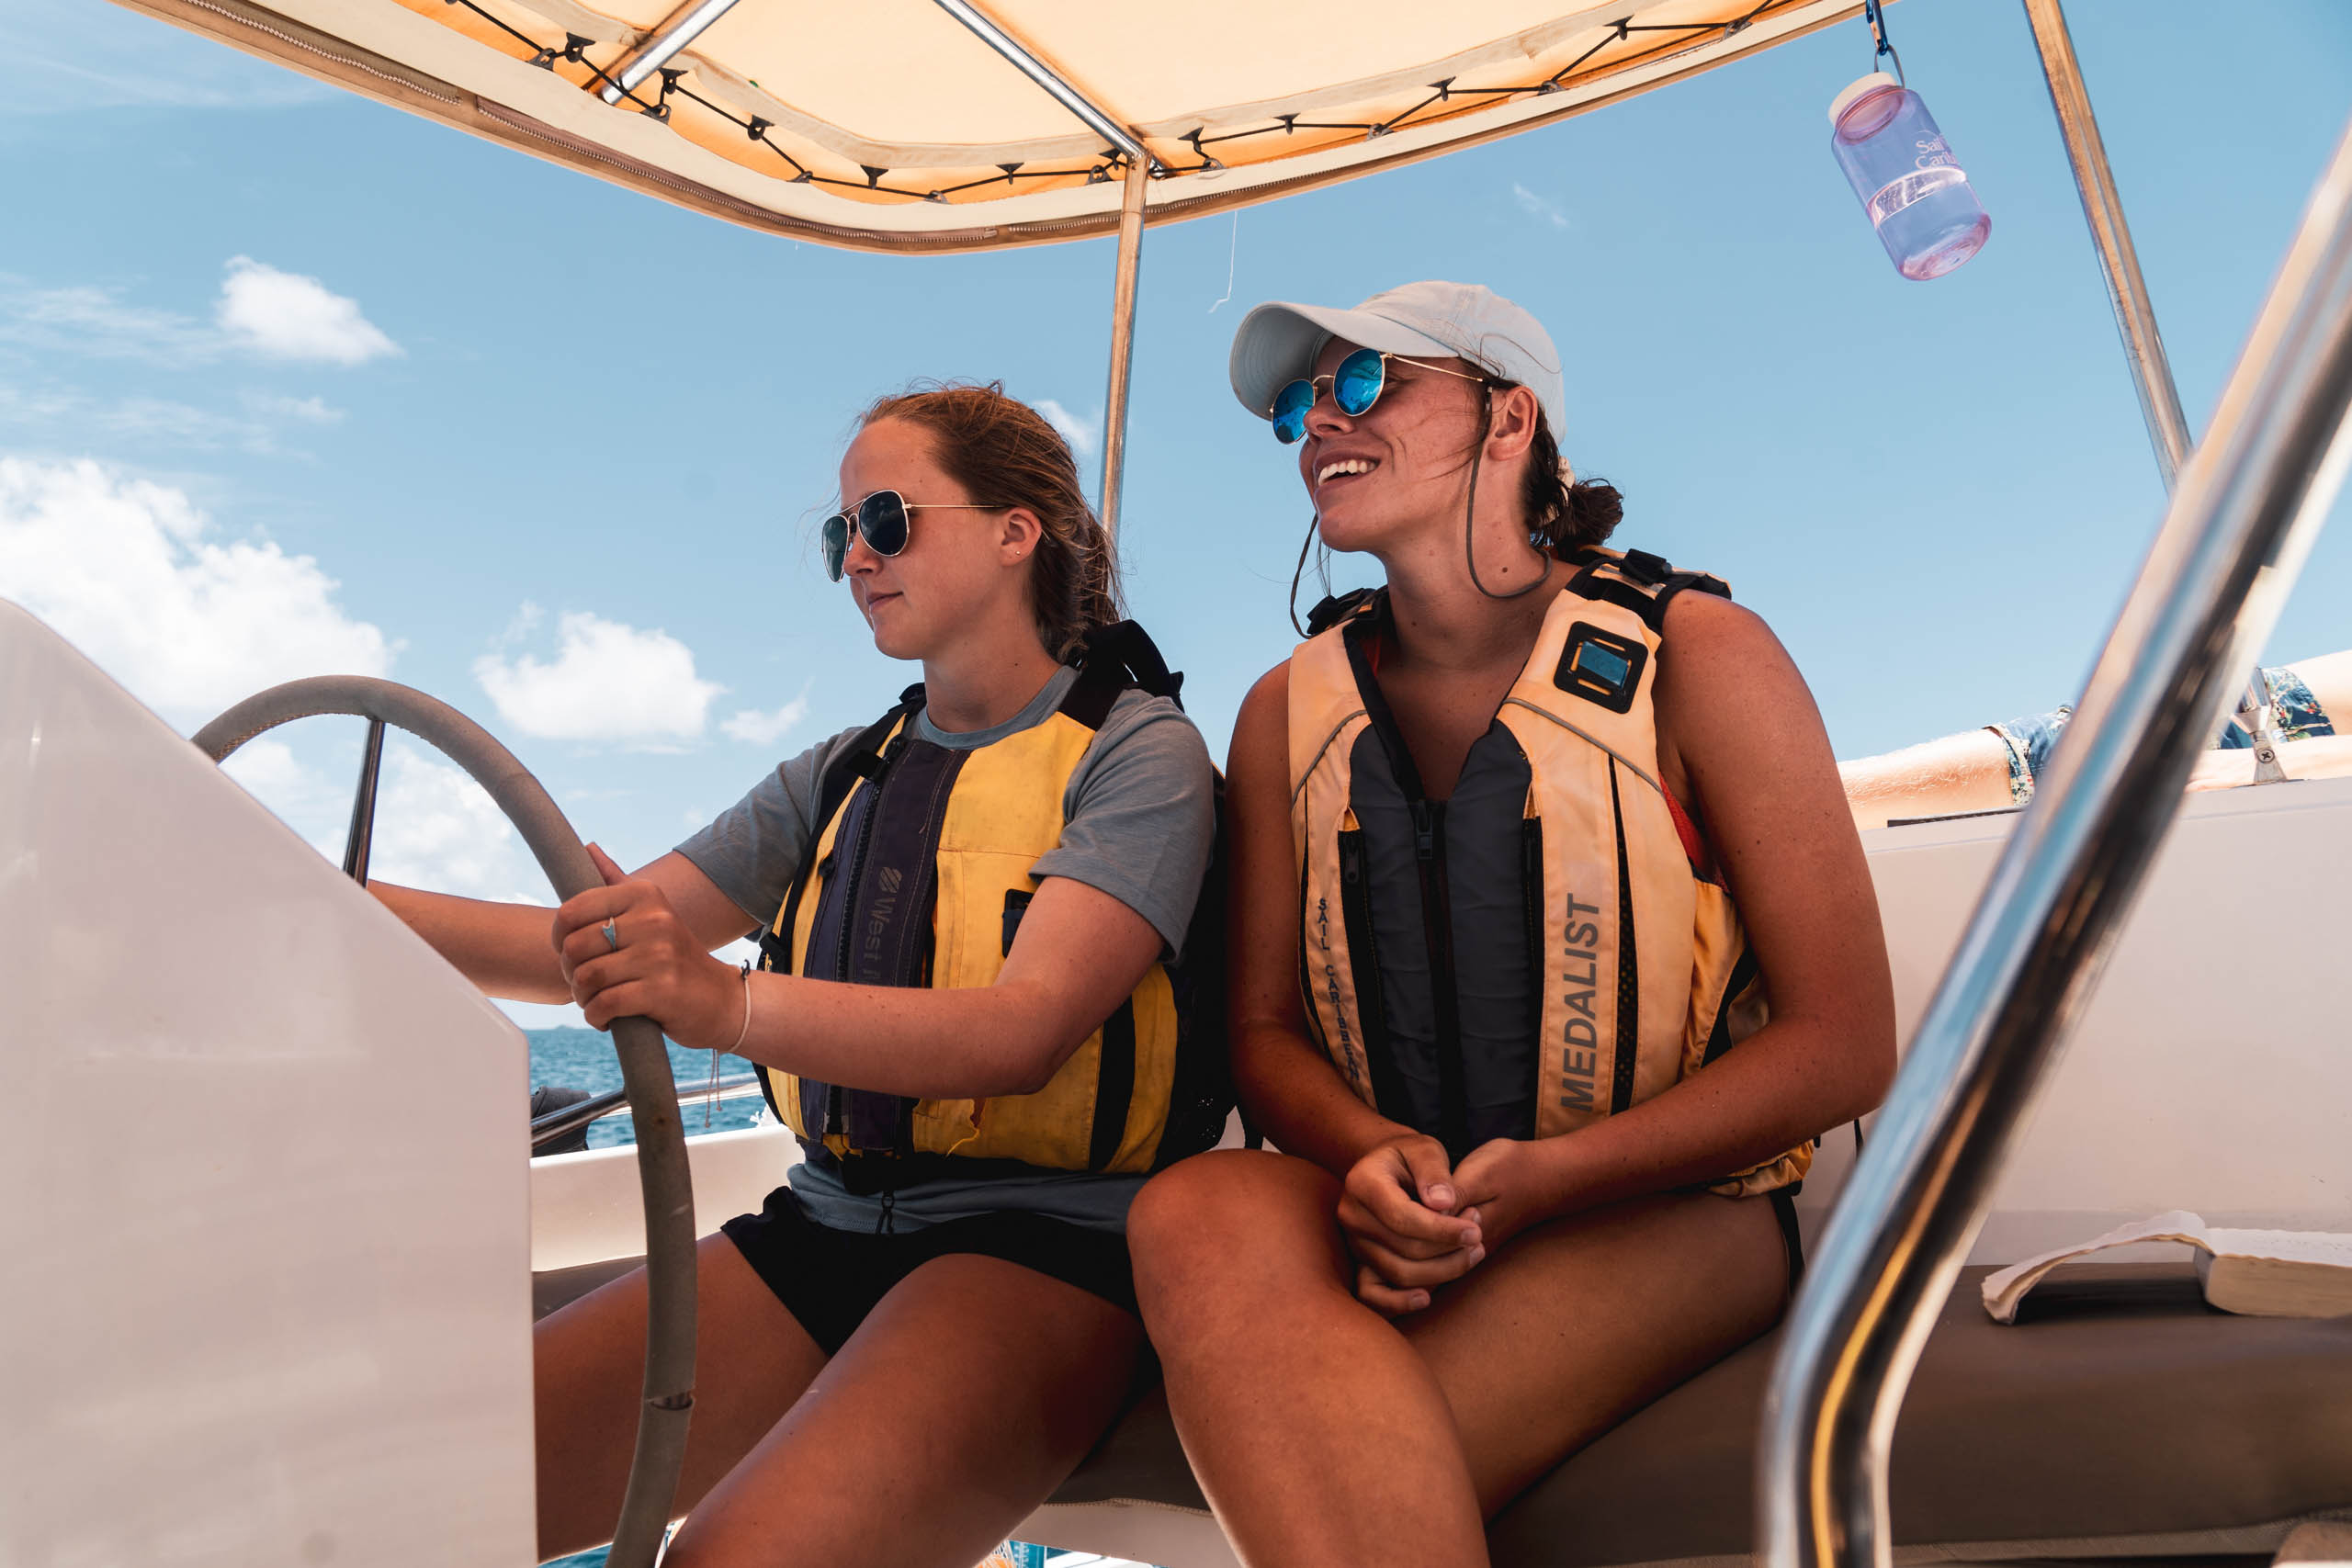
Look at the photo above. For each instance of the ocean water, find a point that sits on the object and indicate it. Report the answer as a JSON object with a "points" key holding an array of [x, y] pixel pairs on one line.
{"points": [[582, 1058]]}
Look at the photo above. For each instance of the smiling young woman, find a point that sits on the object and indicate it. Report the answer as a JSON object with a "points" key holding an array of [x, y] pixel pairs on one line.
{"points": [[1553, 952], [969, 914]]}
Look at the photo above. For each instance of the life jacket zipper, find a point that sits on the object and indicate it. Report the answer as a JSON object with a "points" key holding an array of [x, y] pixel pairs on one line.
{"points": [[1437, 928], [835, 1107], [1531, 907], [1629, 969], [1363, 961]]}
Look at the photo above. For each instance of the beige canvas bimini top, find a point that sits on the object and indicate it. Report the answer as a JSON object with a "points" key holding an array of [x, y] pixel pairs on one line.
{"points": [[891, 125]]}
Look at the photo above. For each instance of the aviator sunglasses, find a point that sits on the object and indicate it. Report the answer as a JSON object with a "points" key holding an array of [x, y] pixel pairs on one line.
{"points": [[1356, 384], [881, 521]]}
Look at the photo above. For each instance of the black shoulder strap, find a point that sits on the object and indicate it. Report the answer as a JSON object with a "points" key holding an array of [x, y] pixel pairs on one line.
{"points": [[1338, 608], [1639, 581], [860, 759], [1119, 656]]}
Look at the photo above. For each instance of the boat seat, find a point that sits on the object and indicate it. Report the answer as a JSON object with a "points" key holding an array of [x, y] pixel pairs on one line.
{"points": [[2120, 1417]]}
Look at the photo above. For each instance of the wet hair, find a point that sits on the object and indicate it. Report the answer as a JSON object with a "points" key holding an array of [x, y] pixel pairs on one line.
{"points": [[1002, 450]]}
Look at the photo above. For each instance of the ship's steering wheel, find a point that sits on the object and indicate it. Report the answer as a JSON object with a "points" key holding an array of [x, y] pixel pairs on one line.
{"points": [[645, 1061]]}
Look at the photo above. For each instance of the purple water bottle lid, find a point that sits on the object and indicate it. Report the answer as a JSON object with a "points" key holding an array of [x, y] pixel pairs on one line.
{"points": [[1877, 114]]}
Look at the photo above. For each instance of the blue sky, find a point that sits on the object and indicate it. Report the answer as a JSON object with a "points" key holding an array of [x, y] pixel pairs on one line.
{"points": [[567, 483]]}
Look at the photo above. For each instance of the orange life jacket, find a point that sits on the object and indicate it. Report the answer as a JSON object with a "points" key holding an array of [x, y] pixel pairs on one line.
{"points": [[1544, 947]]}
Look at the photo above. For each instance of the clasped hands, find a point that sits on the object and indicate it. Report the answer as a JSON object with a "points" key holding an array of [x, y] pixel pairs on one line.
{"points": [[1414, 1221], [658, 971]]}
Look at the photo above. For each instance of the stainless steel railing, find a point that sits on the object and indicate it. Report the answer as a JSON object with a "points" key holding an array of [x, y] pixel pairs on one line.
{"points": [[557, 1123], [2248, 504]]}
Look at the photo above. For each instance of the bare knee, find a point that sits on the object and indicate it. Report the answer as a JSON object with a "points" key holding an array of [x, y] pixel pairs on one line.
{"points": [[1227, 1225], [1195, 1209]]}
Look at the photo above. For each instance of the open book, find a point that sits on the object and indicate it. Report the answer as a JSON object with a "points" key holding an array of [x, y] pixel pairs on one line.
{"points": [[2261, 1273]]}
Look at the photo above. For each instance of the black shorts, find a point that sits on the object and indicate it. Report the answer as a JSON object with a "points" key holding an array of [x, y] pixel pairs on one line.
{"points": [[829, 1280]]}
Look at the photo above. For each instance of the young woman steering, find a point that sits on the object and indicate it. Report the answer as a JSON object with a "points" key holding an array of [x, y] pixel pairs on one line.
{"points": [[1553, 951], [925, 1330]]}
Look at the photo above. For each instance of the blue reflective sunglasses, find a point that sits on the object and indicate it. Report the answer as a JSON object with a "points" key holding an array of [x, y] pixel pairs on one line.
{"points": [[1356, 384]]}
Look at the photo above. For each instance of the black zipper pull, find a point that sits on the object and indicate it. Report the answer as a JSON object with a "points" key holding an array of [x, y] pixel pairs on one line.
{"points": [[1424, 831]]}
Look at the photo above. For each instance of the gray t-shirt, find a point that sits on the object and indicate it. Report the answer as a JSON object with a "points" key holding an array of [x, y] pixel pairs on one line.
{"points": [[1138, 816]]}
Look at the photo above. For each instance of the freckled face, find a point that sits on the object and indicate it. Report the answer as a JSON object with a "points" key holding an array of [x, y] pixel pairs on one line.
{"points": [[1380, 476], [950, 567]]}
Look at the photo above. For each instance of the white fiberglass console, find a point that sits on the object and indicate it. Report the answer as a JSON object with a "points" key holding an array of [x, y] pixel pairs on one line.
{"points": [[268, 1231]]}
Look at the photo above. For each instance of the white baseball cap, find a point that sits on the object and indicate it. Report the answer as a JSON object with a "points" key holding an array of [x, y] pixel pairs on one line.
{"points": [[1277, 343]]}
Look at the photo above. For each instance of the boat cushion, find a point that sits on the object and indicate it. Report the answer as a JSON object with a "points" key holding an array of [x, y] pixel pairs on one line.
{"points": [[2119, 1408]]}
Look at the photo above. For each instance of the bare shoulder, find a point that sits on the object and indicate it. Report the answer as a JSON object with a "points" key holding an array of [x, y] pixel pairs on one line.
{"points": [[1262, 727], [1732, 709], [1722, 664], [1706, 630]]}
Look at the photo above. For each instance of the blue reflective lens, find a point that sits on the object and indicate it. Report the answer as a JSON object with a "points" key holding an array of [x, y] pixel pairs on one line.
{"points": [[1355, 386], [1290, 410]]}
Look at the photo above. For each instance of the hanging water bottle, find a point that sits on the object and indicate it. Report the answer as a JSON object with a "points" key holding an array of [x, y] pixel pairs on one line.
{"points": [[1904, 173], [1903, 170]]}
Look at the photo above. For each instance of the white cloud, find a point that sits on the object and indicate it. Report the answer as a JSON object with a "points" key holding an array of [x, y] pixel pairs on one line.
{"points": [[1084, 435], [159, 419], [767, 729], [304, 798], [437, 828], [434, 827], [1539, 206], [261, 311], [130, 573], [284, 315], [92, 321], [608, 682]]}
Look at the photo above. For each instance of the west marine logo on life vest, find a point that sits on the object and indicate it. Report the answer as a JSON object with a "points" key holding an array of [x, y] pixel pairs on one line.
{"points": [[1539, 949], [877, 924]]}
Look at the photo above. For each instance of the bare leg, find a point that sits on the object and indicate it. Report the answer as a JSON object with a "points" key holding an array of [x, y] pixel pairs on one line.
{"points": [[1576, 1325], [1319, 1435], [1322, 1434], [752, 1361], [966, 1398]]}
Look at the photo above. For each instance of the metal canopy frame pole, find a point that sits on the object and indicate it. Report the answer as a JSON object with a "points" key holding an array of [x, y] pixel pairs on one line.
{"points": [[1140, 166], [681, 27], [2135, 316], [1065, 92], [1123, 343], [2249, 502], [2119, 263]]}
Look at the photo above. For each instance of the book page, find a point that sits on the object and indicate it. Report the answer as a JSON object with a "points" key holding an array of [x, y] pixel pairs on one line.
{"points": [[2004, 1288], [2284, 1246]]}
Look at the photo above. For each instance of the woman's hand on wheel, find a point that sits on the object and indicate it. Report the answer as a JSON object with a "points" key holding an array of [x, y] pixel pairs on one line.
{"points": [[1401, 1210], [626, 954]]}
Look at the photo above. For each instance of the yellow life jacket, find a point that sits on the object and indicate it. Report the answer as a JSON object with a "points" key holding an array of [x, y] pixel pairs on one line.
{"points": [[1541, 949], [921, 873]]}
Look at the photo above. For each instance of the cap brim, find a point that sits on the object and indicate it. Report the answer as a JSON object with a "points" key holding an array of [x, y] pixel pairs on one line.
{"points": [[1276, 343]]}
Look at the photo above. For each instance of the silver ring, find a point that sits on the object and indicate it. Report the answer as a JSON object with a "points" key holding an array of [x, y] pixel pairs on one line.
{"points": [[612, 937]]}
